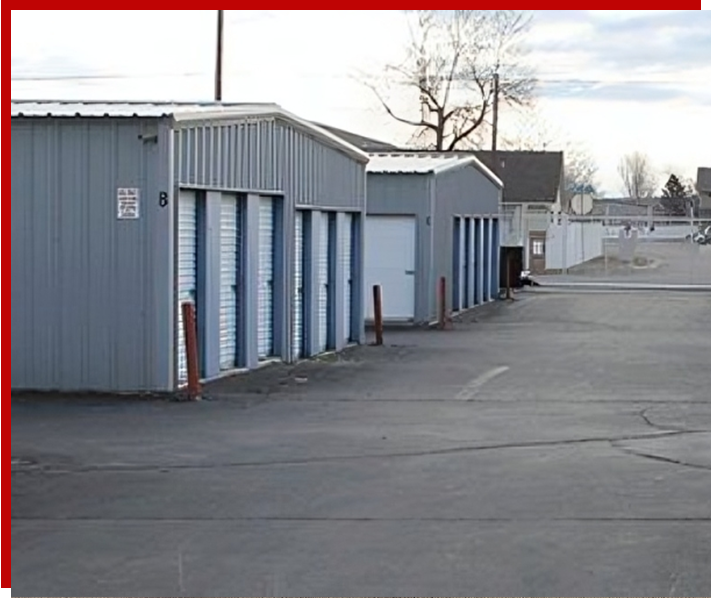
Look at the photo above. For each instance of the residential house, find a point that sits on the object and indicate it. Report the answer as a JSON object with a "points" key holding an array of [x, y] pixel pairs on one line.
{"points": [[703, 187]]}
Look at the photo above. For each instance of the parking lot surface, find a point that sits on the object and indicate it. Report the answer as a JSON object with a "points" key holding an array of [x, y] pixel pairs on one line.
{"points": [[557, 445]]}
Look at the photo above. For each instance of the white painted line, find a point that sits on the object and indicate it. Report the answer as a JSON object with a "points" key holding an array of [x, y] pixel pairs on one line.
{"points": [[470, 389]]}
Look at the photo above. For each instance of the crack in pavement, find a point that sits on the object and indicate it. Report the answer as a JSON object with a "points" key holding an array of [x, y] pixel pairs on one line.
{"points": [[444, 519], [120, 468], [659, 458]]}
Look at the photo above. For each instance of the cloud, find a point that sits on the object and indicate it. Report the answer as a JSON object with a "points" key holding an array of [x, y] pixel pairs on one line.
{"points": [[663, 41], [631, 91]]}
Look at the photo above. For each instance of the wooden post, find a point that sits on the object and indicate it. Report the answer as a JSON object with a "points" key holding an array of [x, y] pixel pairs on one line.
{"points": [[442, 293], [191, 350], [378, 313]]}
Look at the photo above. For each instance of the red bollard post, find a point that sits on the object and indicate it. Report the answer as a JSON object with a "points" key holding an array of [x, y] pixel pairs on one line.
{"points": [[191, 350], [378, 313], [442, 293]]}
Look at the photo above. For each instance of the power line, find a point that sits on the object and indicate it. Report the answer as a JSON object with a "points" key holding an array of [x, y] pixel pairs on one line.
{"points": [[80, 77], [559, 80]]}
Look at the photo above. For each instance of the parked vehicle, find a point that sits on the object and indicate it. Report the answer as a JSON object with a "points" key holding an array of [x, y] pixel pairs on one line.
{"points": [[702, 237]]}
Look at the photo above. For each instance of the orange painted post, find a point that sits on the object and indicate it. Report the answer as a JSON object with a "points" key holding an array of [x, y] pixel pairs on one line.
{"points": [[378, 313], [191, 350]]}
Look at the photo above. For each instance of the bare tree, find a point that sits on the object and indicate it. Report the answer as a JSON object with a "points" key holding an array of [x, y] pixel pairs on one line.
{"points": [[580, 171], [452, 66], [534, 132], [637, 175], [531, 134]]}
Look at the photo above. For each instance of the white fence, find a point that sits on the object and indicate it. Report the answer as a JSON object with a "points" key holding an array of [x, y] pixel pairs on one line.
{"points": [[570, 243], [660, 232]]}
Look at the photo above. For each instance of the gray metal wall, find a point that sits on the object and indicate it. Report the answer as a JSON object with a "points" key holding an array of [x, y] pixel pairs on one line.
{"points": [[268, 156], [411, 195], [90, 303], [465, 192]]}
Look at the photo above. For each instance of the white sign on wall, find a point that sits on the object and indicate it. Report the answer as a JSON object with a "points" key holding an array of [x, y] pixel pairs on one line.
{"points": [[128, 203]]}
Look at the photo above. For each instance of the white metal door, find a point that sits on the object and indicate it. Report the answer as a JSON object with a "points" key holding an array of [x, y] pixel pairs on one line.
{"points": [[229, 237], [390, 263], [265, 317], [347, 264], [298, 317], [323, 282], [187, 269]]}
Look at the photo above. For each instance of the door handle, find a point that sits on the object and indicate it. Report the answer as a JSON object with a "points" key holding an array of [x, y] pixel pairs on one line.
{"points": [[410, 272]]}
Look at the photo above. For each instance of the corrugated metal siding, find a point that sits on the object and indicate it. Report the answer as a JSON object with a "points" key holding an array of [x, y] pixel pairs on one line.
{"points": [[405, 195], [84, 304], [268, 156], [459, 192], [317, 175]]}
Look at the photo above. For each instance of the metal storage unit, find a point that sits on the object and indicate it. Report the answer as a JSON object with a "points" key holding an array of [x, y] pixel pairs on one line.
{"points": [[298, 315], [146, 220], [390, 261], [187, 269], [324, 283], [444, 194], [230, 240], [456, 276], [347, 269], [479, 259], [487, 259], [467, 247], [265, 319]]}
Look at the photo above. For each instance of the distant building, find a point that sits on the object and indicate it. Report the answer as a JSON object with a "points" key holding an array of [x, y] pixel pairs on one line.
{"points": [[703, 187]]}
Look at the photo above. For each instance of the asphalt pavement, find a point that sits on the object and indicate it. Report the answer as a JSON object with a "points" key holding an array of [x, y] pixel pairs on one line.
{"points": [[557, 445]]}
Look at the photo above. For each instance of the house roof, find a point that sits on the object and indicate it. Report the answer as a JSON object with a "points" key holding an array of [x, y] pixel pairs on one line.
{"points": [[181, 112], [528, 176], [425, 163], [703, 180], [367, 144]]}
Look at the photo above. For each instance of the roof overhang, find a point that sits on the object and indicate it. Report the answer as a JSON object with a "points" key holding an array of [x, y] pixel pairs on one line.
{"points": [[183, 114], [417, 164]]}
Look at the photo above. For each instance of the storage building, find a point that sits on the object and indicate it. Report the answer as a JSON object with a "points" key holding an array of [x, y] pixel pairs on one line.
{"points": [[430, 216], [121, 211]]}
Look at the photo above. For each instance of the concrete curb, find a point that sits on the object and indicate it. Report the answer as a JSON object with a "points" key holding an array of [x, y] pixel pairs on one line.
{"points": [[579, 286]]}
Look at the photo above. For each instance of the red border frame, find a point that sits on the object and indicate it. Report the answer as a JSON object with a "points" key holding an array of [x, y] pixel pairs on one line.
{"points": [[6, 446]]}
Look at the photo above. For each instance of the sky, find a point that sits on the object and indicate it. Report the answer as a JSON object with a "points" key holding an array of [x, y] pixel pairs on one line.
{"points": [[610, 82]]}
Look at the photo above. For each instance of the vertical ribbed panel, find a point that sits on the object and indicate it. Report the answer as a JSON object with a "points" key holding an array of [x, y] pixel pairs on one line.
{"points": [[84, 305]]}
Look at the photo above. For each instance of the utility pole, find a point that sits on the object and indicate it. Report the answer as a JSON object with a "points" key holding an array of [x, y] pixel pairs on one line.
{"points": [[218, 61], [495, 126]]}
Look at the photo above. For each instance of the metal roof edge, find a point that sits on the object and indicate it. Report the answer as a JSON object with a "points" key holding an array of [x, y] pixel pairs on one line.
{"points": [[211, 112], [475, 162], [451, 162], [276, 111]]}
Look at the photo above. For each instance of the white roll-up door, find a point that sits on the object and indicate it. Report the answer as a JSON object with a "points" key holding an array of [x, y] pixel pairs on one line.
{"points": [[390, 258], [347, 263], [265, 318], [298, 317], [187, 269], [471, 252], [229, 238], [462, 276], [323, 282]]}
